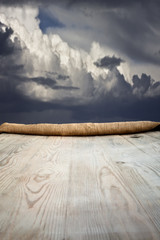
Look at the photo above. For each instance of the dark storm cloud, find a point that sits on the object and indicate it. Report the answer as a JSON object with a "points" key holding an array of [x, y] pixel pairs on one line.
{"points": [[15, 107], [57, 76], [47, 82], [13, 100], [141, 85], [13, 103], [6, 46], [148, 5], [62, 77], [133, 33], [122, 89], [131, 27], [109, 62], [124, 101], [51, 83], [9, 52], [145, 84], [109, 3], [114, 109]]}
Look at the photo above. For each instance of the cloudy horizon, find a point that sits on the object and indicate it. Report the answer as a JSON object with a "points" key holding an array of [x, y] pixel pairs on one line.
{"points": [[79, 61]]}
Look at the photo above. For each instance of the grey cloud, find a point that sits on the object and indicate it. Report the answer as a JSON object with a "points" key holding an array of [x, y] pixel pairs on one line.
{"points": [[136, 38], [108, 3], [51, 83], [122, 101], [115, 84], [109, 62], [57, 76], [145, 86], [116, 105], [66, 87], [155, 85], [130, 27], [62, 77], [10, 51], [121, 89], [47, 82], [132, 31], [141, 85], [6, 45], [13, 100]]}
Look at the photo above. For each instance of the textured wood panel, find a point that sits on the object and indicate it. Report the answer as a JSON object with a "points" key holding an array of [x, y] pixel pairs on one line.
{"points": [[94, 188]]}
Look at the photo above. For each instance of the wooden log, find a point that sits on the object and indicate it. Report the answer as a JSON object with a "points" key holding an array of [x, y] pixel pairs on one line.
{"points": [[79, 129]]}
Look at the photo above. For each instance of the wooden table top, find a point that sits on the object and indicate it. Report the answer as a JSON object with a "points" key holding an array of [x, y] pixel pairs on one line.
{"points": [[80, 188]]}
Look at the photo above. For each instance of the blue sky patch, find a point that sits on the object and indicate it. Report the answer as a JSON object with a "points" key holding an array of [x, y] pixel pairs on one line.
{"points": [[47, 20]]}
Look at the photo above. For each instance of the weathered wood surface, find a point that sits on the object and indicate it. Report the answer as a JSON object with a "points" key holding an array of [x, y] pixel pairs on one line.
{"points": [[75, 188]]}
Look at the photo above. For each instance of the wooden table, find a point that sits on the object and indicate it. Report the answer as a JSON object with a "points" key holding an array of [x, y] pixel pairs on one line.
{"points": [[91, 188]]}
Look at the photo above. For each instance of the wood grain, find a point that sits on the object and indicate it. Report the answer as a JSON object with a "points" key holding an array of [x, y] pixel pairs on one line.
{"points": [[73, 188]]}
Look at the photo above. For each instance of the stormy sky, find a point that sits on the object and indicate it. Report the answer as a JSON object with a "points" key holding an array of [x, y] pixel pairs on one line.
{"points": [[79, 61]]}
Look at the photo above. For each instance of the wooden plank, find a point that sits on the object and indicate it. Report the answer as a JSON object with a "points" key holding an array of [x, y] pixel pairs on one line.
{"points": [[11, 159], [66, 188], [146, 143], [107, 208], [39, 196], [85, 214], [139, 172], [9, 140], [154, 134], [11, 144]]}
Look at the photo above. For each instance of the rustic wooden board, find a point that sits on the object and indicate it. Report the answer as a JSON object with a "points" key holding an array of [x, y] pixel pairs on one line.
{"points": [[75, 188]]}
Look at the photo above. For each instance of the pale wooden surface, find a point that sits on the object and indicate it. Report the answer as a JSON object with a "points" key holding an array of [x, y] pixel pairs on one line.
{"points": [[91, 188]]}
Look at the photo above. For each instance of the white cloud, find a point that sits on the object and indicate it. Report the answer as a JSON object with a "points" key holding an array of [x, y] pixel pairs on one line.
{"points": [[25, 15]]}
